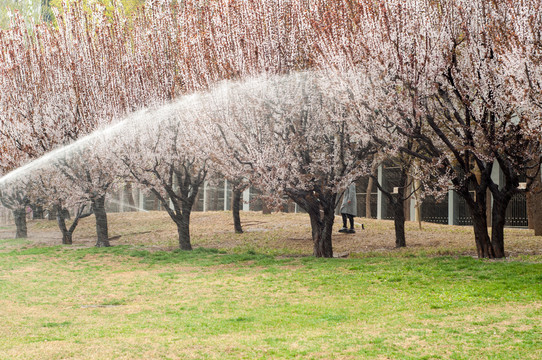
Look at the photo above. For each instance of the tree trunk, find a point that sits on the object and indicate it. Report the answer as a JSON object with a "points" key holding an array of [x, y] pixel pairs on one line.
{"points": [[534, 206], [183, 229], [19, 216], [66, 214], [66, 234], [235, 207], [498, 220], [478, 209], [398, 202], [417, 210], [62, 216], [98, 208], [321, 209], [484, 247], [67, 238], [399, 221], [322, 228]]}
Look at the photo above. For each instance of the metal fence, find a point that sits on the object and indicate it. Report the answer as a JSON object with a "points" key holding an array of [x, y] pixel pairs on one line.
{"points": [[435, 211], [516, 212]]}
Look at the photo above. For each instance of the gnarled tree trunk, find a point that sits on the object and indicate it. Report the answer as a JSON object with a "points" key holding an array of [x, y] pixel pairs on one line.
{"points": [[397, 203], [98, 208], [62, 215], [183, 227], [477, 204], [484, 248], [322, 228], [498, 219], [321, 210], [61, 221], [19, 215]]}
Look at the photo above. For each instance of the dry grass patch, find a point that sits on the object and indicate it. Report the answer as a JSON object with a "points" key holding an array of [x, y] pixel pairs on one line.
{"points": [[279, 233]]}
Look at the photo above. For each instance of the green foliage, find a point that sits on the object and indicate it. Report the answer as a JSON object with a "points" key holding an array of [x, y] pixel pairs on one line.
{"points": [[42, 10], [28, 9], [128, 6]]}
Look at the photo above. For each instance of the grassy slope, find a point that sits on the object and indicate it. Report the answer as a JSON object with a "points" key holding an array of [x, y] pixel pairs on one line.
{"points": [[127, 302]]}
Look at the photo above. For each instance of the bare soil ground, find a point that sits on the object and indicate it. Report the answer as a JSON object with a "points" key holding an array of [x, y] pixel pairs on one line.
{"points": [[278, 234]]}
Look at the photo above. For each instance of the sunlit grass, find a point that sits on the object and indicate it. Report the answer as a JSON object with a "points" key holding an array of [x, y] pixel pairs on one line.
{"points": [[60, 302], [261, 297]]}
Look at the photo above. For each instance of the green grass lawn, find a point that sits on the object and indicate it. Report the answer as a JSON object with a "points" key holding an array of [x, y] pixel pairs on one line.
{"points": [[60, 302]]}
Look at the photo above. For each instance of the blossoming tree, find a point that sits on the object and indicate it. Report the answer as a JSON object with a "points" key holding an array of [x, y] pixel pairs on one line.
{"points": [[165, 158], [51, 189], [297, 138], [459, 78], [60, 84]]}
